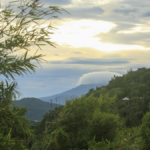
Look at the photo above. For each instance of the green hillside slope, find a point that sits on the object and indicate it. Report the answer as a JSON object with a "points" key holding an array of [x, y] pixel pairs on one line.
{"points": [[112, 117], [36, 108], [135, 85]]}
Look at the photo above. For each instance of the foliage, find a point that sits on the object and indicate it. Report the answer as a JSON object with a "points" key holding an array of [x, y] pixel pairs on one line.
{"points": [[14, 128], [98, 120], [102, 120], [22, 26], [48, 120], [145, 130], [82, 119], [126, 139], [36, 108], [19, 31], [136, 86]]}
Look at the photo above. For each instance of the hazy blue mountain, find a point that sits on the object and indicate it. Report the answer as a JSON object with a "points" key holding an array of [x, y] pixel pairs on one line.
{"points": [[70, 94], [36, 108]]}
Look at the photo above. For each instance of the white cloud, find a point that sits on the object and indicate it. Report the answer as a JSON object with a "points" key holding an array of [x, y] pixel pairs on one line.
{"points": [[137, 29], [83, 33], [90, 3], [102, 77]]}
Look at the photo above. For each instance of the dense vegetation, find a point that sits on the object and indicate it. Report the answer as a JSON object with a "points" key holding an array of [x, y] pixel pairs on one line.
{"points": [[98, 120], [21, 28], [101, 119], [36, 108]]}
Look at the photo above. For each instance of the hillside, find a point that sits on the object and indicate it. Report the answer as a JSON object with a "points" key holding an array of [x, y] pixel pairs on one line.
{"points": [[135, 86], [70, 94], [36, 108], [103, 118]]}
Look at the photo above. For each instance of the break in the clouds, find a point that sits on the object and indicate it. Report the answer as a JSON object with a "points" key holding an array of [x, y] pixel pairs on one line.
{"points": [[97, 77], [130, 30], [126, 28], [98, 39]]}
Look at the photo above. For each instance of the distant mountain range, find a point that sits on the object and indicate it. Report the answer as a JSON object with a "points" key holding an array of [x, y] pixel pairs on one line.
{"points": [[70, 94], [36, 108]]}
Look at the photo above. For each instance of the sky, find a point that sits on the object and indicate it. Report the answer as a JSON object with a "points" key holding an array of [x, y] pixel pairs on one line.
{"points": [[99, 38]]}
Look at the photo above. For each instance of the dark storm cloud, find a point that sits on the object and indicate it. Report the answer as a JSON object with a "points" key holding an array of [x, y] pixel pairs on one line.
{"points": [[57, 2], [90, 61]]}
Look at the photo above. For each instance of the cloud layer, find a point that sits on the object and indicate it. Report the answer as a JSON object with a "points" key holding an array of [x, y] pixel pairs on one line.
{"points": [[97, 77], [92, 61], [84, 36], [58, 2], [129, 16]]}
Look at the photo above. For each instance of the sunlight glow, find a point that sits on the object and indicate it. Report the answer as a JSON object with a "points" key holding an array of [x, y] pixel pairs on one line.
{"points": [[82, 33], [90, 3], [136, 29]]}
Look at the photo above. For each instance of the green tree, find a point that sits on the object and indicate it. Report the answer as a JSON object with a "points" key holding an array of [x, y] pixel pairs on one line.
{"points": [[48, 118], [23, 24], [145, 130], [83, 119]]}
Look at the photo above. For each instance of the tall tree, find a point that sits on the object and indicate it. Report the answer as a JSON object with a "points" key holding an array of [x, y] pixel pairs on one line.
{"points": [[23, 23]]}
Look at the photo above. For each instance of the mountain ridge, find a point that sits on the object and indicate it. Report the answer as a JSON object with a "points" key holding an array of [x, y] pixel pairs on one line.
{"points": [[75, 92], [36, 107]]}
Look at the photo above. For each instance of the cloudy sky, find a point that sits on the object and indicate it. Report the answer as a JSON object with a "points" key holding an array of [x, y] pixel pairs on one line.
{"points": [[97, 39]]}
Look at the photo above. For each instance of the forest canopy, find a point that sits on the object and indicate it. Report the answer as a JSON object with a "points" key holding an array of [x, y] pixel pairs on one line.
{"points": [[21, 28], [98, 120], [101, 119]]}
